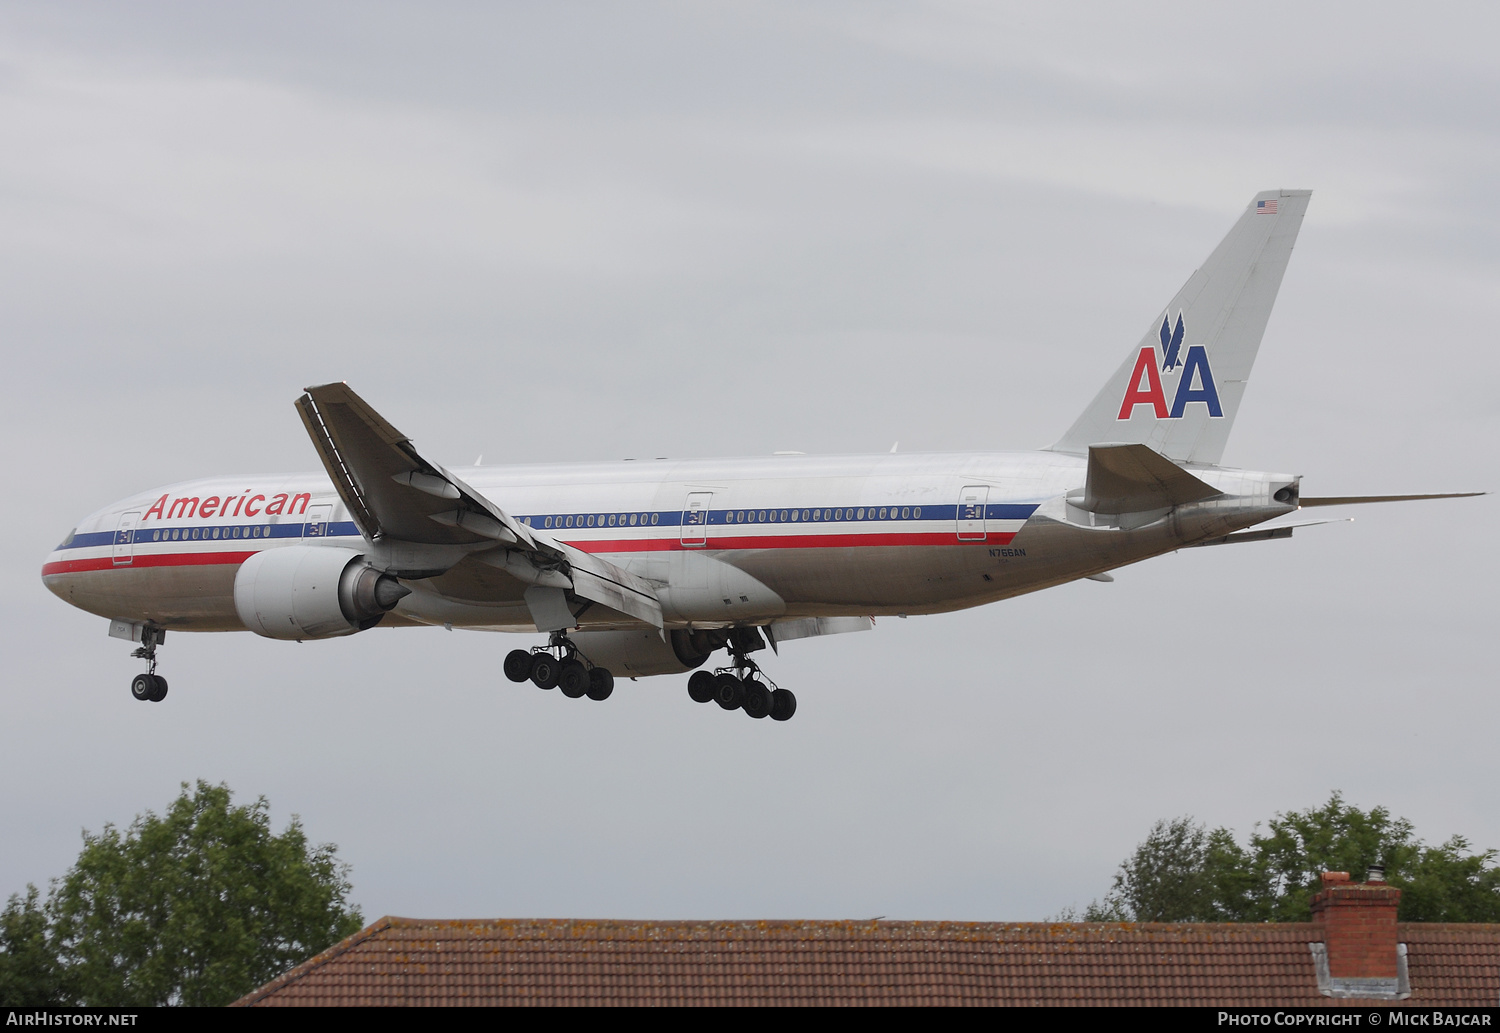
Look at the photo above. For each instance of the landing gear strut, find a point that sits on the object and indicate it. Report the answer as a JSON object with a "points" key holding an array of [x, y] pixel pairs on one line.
{"points": [[559, 664], [149, 686], [742, 685]]}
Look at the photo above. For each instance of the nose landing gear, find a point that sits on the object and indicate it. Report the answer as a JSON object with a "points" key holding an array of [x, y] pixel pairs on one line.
{"points": [[149, 686], [559, 664]]}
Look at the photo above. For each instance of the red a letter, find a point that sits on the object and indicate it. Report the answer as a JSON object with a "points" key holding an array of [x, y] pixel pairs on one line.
{"points": [[161, 505], [1151, 395]]}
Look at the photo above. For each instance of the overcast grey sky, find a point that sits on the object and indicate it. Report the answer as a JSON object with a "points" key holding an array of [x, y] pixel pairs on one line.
{"points": [[557, 231]]}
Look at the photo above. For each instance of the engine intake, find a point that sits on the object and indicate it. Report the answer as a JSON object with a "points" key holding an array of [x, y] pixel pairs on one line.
{"points": [[303, 591]]}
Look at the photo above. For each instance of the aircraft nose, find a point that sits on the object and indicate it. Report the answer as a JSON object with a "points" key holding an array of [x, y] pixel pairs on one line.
{"points": [[57, 564]]}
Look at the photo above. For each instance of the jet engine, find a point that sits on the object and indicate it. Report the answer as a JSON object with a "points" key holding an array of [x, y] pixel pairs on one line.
{"points": [[305, 591], [636, 654]]}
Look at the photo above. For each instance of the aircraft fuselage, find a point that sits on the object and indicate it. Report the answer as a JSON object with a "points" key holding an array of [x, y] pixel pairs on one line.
{"points": [[724, 542]]}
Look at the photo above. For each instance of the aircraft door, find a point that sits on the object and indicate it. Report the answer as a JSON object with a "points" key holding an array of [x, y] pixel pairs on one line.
{"points": [[124, 544], [695, 518], [971, 505], [317, 522]]}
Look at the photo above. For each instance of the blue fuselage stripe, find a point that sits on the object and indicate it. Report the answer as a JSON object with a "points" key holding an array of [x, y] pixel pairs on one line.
{"points": [[857, 515]]}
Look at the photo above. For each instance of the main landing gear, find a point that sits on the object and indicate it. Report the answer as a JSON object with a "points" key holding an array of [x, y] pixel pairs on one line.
{"points": [[559, 665], [742, 685], [149, 686]]}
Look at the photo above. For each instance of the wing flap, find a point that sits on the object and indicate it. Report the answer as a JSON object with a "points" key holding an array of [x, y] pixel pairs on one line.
{"points": [[601, 581]]}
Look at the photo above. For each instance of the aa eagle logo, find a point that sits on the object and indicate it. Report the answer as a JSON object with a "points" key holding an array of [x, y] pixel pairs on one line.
{"points": [[1145, 386]]}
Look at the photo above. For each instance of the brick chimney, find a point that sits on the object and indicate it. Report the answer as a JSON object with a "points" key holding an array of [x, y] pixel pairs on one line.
{"points": [[1359, 955]]}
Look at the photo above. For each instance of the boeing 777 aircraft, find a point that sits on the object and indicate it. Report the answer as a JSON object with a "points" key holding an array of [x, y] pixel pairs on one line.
{"points": [[646, 568]]}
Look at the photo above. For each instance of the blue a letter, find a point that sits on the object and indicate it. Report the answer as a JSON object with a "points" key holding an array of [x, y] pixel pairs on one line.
{"points": [[1197, 362]]}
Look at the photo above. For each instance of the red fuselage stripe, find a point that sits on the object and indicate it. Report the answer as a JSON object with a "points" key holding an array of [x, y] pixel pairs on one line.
{"points": [[723, 543], [716, 543], [175, 559]]}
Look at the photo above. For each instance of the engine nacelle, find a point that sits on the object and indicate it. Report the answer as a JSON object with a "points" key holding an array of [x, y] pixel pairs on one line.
{"points": [[637, 654], [304, 591]]}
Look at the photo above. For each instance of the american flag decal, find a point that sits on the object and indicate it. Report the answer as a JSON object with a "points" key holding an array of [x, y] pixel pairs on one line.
{"points": [[1265, 207]]}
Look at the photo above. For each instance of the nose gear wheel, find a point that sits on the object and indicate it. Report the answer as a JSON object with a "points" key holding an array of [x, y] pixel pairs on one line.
{"points": [[149, 687]]}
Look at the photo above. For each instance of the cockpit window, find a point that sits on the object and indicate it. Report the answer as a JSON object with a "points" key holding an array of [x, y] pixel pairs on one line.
{"points": [[69, 539]]}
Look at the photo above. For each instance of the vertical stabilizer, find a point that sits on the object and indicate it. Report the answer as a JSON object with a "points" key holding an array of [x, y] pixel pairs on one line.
{"points": [[1178, 390]]}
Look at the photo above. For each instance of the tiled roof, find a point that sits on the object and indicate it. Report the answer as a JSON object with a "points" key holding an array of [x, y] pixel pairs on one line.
{"points": [[402, 961], [1452, 964]]}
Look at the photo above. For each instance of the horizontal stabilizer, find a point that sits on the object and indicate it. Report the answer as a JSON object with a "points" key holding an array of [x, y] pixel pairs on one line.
{"points": [[1359, 500], [1134, 479], [1264, 534]]}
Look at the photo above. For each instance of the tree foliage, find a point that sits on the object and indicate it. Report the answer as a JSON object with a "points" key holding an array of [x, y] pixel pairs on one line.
{"points": [[1187, 872], [197, 906], [30, 973]]}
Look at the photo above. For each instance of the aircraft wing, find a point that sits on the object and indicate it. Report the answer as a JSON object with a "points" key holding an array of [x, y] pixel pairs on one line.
{"points": [[390, 490], [395, 495]]}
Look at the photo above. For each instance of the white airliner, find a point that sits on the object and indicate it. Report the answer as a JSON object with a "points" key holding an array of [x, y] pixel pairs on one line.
{"points": [[646, 568]]}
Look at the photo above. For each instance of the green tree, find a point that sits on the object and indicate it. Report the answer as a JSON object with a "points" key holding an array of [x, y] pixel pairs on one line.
{"points": [[30, 973], [1185, 872], [1300, 845], [1182, 872], [195, 907], [1448, 884]]}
